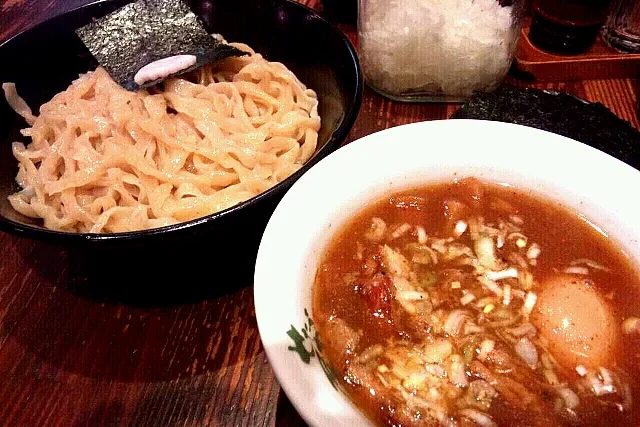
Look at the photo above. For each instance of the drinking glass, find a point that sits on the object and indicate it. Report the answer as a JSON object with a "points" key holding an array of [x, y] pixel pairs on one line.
{"points": [[622, 29]]}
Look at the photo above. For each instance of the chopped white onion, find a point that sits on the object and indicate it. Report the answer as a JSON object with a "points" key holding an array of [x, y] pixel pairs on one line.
{"points": [[422, 235], [382, 380], [525, 278], [589, 263], [607, 379], [457, 250], [551, 377], [583, 271], [534, 251], [478, 417], [484, 301], [438, 351], [490, 285], [437, 411], [400, 231], [486, 347], [472, 328], [485, 250], [547, 361], [460, 228], [502, 274], [467, 298], [598, 387], [457, 372], [527, 351], [440, 246], [571, 399], [581, 370], [455, 321], [377, 230], [411, 295], [359, 251], [516, 219], [425, 255], [435, 369], [506, 295], [370, 353], [529, 302]]}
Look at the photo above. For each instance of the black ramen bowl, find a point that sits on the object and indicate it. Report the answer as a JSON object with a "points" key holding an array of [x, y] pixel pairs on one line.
{"points": [[44, 60]]}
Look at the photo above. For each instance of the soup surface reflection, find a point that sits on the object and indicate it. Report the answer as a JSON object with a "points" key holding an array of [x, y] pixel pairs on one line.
{"points": [[473, 304]]}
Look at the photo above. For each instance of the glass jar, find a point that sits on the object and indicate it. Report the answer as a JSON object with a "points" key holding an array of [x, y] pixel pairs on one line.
{"points": [[437, 50]]}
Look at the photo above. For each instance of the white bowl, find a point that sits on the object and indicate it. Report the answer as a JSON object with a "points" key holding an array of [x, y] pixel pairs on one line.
{"points": [[580, 177]]}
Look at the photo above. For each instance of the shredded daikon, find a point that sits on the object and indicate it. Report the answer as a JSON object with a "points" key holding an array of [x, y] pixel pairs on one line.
{"points": [[451, 47]]}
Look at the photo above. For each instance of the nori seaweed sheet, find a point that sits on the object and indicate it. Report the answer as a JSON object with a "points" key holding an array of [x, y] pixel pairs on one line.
{"points": [[148, 30], [590, 123]]}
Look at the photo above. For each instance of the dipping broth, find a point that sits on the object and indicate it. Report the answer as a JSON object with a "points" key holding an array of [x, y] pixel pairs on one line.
{"points": [[473, 304]]}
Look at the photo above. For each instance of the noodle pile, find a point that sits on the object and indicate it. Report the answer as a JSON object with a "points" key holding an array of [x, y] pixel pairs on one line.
{"points": [[103, 159]]}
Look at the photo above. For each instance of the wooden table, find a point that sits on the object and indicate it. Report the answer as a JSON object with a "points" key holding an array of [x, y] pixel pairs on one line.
{"points": [[70, 360]]}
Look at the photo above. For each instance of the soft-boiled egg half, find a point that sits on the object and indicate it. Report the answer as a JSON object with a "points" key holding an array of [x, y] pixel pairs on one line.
{"points": [[576, 321]]}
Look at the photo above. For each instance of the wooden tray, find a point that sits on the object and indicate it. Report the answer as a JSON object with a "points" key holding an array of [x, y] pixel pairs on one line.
{"points": [[599, 62]]}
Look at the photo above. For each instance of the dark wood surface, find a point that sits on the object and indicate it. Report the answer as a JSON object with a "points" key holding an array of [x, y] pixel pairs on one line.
{"points": [[72, 358]]}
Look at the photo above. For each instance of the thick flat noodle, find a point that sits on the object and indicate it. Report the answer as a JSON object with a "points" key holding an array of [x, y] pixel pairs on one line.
{"points": [[104, 159], [18, 104]]}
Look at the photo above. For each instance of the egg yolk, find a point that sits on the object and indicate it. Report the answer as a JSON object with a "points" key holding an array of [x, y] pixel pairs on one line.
{"points": [[577, 323]]}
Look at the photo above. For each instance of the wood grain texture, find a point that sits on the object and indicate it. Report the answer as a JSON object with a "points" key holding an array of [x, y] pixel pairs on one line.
{"points": [[69, 356]]}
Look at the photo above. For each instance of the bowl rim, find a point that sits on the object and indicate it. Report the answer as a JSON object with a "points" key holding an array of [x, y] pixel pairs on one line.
{"points": [[336, 138], [267, 274]]}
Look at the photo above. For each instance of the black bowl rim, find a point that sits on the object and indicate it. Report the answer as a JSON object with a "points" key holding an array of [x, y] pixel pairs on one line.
{"points": [[338, 136]]}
